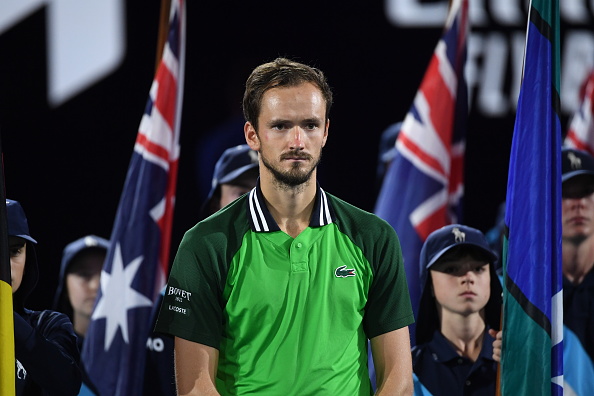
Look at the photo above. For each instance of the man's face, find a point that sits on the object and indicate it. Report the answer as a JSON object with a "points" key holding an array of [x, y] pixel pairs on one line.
{"points": [[18, 257], [82, 282], [578, 207], [292, 132], [462, 286]]}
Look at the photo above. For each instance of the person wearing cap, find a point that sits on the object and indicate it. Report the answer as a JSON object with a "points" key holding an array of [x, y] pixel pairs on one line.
{"points": [[47, 358], [80, 272], [577, 212], [460, 301], [278, 293], [235, 174]]}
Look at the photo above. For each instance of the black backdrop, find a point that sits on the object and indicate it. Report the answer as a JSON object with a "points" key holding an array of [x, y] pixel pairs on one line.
{"points": [[67, 164]]}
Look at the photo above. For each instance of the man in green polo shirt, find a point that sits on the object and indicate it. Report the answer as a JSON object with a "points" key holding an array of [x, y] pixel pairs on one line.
{"points": [[277, 293]]}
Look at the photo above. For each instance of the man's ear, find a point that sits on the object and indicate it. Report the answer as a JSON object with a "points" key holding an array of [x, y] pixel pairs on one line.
{"points": [[251, 136]]}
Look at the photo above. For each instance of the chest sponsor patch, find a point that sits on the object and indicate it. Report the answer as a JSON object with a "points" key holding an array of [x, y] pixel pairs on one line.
{"points": [[344, 272], [179, 294]]}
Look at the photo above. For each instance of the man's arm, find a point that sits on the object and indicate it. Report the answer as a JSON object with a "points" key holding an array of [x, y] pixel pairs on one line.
{"points": [[393, 363], [195, 368]]}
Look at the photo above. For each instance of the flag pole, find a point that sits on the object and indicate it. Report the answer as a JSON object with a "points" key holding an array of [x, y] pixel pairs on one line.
{"points": [[7, 357], [163, 30], [498, 377]]}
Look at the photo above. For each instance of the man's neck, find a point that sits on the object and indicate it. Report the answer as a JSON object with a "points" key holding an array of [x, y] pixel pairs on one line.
{"points": [[578, 258], [291, 207]]}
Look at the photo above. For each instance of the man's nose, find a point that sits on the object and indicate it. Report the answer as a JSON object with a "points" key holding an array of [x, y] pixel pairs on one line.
{"points": [[296, 138]]}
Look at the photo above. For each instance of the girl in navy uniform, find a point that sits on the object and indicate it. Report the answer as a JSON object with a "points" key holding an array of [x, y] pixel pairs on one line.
{"points": [[460, 302]]}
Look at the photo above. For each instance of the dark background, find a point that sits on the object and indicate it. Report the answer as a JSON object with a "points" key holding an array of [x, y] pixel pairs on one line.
{"points": [[67, 165]]}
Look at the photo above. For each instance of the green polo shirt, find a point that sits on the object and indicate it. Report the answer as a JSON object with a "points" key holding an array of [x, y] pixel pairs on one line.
{"points": [[289, 316]]}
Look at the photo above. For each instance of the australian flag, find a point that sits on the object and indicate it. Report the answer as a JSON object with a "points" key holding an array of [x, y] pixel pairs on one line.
{"points": [[423, 186], [580, 134], [137, 261]]}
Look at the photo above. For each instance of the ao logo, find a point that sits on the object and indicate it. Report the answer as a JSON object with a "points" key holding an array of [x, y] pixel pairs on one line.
{"points": [[496, 46], [85, 40], [416, 13], [155, 344]]}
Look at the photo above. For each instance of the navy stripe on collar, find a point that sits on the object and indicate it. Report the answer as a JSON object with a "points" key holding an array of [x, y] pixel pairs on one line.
{"points": [[262, 221]]}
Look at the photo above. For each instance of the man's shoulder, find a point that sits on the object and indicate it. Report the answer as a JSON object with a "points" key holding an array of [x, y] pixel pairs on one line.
{"points": [[235, 212], [229, 222], [343, 207], [349, 216]]}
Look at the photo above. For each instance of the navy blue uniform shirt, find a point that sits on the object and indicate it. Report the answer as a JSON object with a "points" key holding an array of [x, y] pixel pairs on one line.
{"points": [[578, 310], [443, 372]]}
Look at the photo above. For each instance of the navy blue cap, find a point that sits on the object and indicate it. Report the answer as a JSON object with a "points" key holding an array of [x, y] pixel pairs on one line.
{"points": [[17, 221], [232, 164], [442, 240], [86, 242], [574, 163]]}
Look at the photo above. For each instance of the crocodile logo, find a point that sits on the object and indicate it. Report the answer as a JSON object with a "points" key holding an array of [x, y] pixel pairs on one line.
{"points": [[343, 272]]}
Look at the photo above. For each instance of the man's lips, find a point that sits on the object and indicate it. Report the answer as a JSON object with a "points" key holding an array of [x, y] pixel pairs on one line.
{"points": [[468, 294], [295, 157]]}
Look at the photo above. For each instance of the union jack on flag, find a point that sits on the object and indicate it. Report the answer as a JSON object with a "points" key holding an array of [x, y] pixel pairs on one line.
{"points": [[581, 128], [136, 264], [423, 186]]}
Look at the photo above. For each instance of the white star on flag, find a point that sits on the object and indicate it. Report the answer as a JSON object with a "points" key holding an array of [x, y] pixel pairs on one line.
{"points": [[117, 297]]}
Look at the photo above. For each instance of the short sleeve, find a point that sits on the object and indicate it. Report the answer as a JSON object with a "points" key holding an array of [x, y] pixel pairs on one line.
{"points": [[192, 305], [388, 305]]}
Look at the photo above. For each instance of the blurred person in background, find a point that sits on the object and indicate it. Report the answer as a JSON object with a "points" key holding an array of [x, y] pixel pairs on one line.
{"points": [[78, 285]]}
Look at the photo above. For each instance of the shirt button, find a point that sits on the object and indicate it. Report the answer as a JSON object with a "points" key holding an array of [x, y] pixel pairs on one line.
{"points": [[467, 383], [299, 244]]}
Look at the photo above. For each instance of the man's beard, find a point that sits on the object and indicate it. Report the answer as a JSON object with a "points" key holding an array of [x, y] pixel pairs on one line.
{"points": [[295, 176]]}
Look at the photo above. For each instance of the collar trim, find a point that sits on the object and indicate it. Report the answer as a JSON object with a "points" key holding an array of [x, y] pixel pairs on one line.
{"points": [[262, 221]]}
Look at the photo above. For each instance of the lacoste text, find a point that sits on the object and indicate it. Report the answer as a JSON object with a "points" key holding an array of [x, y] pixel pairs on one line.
{"points": [[177, 309]]}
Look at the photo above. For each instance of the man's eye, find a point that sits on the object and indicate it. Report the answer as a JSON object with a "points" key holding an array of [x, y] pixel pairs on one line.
{"points": [[311, 127], [449, 270], [15, 251], [278, 127]]}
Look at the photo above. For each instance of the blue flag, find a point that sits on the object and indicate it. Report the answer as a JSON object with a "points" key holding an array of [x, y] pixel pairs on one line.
{"points": [[533, 303], [138, 258], [423, 186]]}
